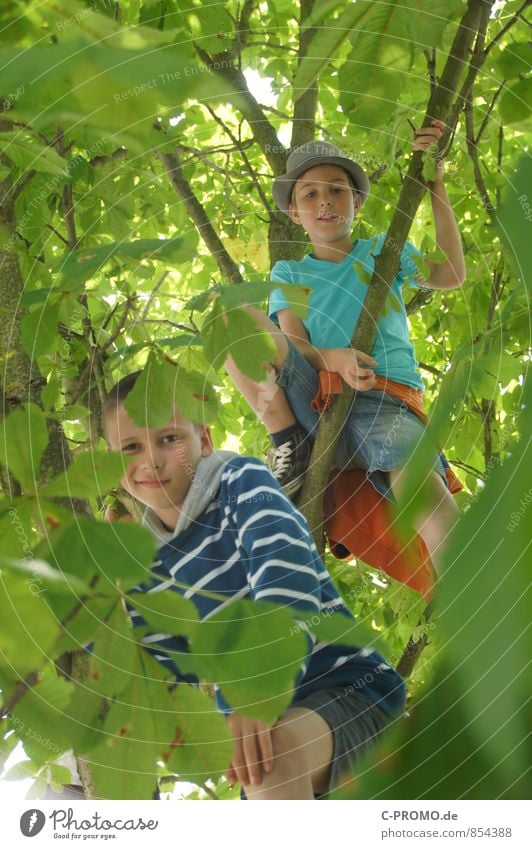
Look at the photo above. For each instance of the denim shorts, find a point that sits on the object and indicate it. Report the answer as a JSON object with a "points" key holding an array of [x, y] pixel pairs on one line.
{"points": [[380, 432], [355, 723]]}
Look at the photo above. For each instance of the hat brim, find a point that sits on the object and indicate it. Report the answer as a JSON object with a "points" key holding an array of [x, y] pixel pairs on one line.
{"points": [[283, 185]]}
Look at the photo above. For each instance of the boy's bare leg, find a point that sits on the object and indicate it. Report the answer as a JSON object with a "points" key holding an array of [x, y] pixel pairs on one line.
{"points": [[302, 749], [266, 399], [435, 523]]}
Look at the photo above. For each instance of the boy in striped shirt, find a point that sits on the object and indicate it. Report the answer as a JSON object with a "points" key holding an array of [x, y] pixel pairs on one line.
{"points": [[226, 528]]}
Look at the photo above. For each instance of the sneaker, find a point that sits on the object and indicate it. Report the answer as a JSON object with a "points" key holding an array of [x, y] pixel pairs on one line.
{"points": [[289, 461]]}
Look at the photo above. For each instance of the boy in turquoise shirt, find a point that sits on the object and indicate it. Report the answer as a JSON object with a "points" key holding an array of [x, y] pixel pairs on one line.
{"points": [[323, 190]]}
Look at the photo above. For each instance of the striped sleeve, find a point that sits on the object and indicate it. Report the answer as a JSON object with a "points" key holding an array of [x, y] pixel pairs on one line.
{"points": [[277, 549]]}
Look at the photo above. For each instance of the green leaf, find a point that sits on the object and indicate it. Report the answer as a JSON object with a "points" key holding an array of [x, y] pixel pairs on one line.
{"points": [[490, 370], [17, 534], [363, 273], [151, 402], [392, 303], [80, 631], [114, 92], [22, 444], [167, 612], [41, 577], [138, 729], [429, 166], [202, 747], [515, 104], [78, 266], [209, 25], [245, 294], [324, 45], [28, 630], [50, 394], [113, 655], [297, 297], [118, 551], [514, 217], [204, 299], [37, 717], [514, 60], [21, 771], [236, 333], [31, 155], [453, 392], [254, 652], [39, 330], [337, 628], [490, 543], [91, 474], [376, 69], [59, 776], [197, 397]]}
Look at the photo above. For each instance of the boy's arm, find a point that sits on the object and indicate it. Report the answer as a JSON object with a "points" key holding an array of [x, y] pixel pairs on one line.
{"points": [[283, 567], [451, 273], [346, 361]]}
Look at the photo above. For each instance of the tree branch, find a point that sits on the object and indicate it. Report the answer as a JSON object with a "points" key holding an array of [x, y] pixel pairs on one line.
{"points": [[228, 268], [240, 147], [19, 691], [242, 27], [263, 132], [488, 112], [477, 60], [473, 155], [101, 351], [21, 185], [430, 56], [304, 120], [422, 297]]}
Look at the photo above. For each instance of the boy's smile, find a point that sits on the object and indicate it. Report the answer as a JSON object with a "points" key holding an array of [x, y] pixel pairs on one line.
{"points": [[325, 204], [164, 463]]}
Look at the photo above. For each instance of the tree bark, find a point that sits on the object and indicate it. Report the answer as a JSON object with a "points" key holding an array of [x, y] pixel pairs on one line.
{"points": [[228, 268]]}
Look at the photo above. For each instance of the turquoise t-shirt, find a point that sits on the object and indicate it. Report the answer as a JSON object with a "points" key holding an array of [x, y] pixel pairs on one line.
{"points": [[336, 300]]}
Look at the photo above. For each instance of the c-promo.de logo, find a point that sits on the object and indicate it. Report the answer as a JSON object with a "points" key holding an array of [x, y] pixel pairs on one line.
{"points": [[32, 822]]}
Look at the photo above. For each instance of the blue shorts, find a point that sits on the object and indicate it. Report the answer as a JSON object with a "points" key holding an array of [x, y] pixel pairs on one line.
{"points": [[356, 724], [380, 432]]}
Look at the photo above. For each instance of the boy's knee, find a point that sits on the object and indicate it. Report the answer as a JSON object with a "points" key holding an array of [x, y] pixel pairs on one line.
{"points": [[289, 750]]}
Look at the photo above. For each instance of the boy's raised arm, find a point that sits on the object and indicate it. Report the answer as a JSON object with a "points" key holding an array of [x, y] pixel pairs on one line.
{"points": [[451, 273]]}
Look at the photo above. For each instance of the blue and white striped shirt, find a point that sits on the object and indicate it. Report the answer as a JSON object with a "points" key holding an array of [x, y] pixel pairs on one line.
{"points": [[252, 543]]}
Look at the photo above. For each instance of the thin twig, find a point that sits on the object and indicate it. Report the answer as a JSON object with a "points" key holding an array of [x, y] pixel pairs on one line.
{"points": [[469, 469], [489, 111], [473, 155], [58, 234], [515, 17], [240, 146], [430, 57], [154, 291], [99, 354], [209, 791], [21, 185]]}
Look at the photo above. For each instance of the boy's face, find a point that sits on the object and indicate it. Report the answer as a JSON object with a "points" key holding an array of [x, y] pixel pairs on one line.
{"points": [[325, 203], [165, 459]]}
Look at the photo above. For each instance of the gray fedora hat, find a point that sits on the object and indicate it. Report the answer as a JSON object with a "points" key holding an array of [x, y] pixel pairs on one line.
{"points": [[309, 155]]}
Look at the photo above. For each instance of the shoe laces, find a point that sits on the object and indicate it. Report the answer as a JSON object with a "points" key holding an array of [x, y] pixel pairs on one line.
{"points": [[282, 458]]}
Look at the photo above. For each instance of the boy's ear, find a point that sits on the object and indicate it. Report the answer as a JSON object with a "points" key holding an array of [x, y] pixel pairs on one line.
{"points": [[207, 445], [357, 201], [293, 213]]}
